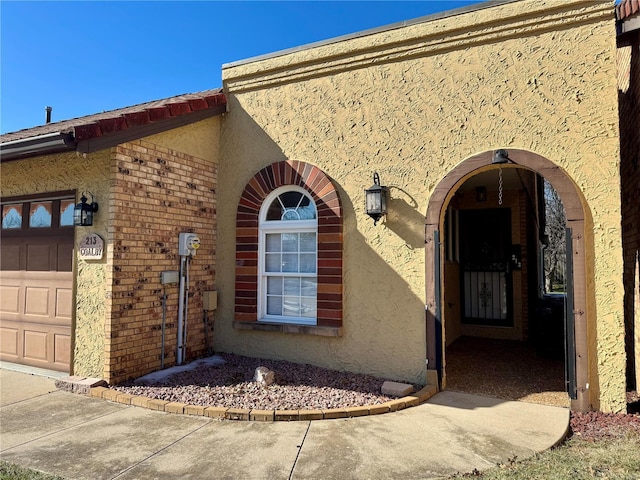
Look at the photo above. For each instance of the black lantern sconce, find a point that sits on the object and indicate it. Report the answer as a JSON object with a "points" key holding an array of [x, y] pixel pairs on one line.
{"points": [[376, 199], [83, 212]]}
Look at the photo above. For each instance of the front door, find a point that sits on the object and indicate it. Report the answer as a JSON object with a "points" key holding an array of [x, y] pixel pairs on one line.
{"points": [[485, 251]]}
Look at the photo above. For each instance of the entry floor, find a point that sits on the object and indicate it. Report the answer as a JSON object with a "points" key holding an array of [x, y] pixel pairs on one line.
{"points": [[505, 369]]}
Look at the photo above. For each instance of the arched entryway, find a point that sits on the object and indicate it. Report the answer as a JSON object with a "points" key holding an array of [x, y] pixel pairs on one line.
{"points": [[523, 163]]}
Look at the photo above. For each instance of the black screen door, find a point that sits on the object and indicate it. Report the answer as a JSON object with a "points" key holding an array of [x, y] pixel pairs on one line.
{"points": [[485, 250]]}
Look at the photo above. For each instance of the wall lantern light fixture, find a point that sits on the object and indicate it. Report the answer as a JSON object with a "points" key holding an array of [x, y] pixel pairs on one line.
{"points": [[83, 212], [376, 199]]}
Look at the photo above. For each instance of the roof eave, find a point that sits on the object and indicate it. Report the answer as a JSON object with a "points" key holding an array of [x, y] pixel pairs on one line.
{"points": [[85, 139], [101, 142], [43, 144]]}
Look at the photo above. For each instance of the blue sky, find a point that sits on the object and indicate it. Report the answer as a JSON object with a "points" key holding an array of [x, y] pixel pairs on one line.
{"points": [[87, 57]]}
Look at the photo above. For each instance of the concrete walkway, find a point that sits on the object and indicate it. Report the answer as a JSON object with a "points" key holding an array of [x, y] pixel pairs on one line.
{"points": [[79, 437]]}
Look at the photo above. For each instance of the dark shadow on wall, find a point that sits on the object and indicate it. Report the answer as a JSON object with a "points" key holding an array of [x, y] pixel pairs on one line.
{"points": [[629, 105], [403, 218]]}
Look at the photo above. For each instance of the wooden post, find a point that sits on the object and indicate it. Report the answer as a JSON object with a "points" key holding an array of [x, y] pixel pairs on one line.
{"points": [[636, 316]]}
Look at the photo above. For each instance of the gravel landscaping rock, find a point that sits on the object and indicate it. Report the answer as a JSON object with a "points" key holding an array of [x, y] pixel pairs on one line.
{"points": [[296, 386], [598, 425]]}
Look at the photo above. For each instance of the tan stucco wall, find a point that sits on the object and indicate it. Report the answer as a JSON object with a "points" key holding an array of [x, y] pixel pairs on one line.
{"points": [[200, 139], [70, 171], [411, 103]]}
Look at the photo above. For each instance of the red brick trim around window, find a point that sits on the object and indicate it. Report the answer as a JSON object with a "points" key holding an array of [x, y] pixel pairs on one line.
{"points": [[324, 193]]}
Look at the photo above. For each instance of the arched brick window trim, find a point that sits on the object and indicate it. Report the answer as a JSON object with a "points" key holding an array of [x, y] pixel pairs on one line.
{"points": [[324, 194]]}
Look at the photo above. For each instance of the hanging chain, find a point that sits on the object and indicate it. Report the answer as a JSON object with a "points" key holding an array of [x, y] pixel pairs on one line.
{"points": [[500, 187]]}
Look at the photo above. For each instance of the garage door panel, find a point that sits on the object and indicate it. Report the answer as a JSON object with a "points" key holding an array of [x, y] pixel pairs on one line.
{"points": [[39, 257], [36, 316], [36, 301], [35, 345], [64, 253], [64, 303], [62, 349], [10, 255], [9, 299], [9, 342]]}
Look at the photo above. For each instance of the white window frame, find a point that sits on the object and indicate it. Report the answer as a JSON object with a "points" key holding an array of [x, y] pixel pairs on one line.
{"points": [[282, 226]]}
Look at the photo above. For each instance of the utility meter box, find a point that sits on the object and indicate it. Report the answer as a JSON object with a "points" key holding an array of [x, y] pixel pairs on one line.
{"points": [[209, 300], [169, 276], [188, 243]]}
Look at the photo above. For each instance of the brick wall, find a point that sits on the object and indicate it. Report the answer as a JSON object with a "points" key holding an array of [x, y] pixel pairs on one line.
{"points": [[156, 194], [629, 105]]}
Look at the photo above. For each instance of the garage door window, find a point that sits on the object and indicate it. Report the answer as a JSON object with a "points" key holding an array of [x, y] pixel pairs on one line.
{"points": [[66, 213], [37, 215], [11, 216], [40, 215]]}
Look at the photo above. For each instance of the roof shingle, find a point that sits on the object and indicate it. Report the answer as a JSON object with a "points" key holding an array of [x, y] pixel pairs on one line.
{"points": [[626, 8], [92, 126]]}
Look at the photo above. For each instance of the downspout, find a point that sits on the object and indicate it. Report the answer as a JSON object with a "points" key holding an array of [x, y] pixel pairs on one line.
{"points": [[181, 308]]}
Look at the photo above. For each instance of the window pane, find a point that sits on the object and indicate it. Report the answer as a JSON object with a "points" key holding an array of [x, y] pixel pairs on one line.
{"points": [[292, 206], [307, 213], [273, 242], [290, 214], [292, 286], [290, 262], [275, 210], [291, 306], [12, 216], [274, 305], [289, 242], [307, 209], [273, 263], [274, 285], [307, 262], [291, 199], [40, 215], [308, 307], [307, 242], [66, 213], [309, 287]]}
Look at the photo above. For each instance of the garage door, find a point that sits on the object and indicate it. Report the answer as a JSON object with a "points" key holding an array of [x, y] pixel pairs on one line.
{"points": [[36, 281]]}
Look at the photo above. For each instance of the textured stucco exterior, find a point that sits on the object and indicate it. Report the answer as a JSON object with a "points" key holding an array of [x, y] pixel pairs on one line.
{"points": [[200, 139], [411, 103], [81, 172]]}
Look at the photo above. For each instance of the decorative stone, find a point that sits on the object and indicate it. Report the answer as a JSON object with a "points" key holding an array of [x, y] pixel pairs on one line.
{"points": [[81, 385], [264, 376], [395, 389]]}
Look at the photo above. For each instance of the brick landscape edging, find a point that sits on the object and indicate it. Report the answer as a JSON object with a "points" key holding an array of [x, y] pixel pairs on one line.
{"points": [[263, 415]]}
